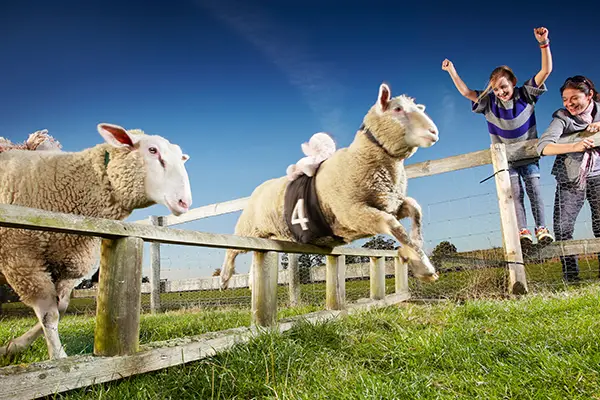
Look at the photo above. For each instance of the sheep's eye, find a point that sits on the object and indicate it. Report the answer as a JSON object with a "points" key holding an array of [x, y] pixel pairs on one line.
{"points": [[398, 109], [153, 150]]}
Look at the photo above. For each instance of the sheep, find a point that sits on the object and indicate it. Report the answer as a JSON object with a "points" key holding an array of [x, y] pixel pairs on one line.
{"points": [[110, 180], [38, 140], [361, 190]]}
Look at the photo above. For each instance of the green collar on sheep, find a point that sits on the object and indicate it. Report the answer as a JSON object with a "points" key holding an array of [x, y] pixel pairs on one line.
{"points": [[373, 139]]}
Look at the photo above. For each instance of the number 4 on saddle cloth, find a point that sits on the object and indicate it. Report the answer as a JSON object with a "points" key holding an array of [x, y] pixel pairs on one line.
{"points": [[302, 211]]}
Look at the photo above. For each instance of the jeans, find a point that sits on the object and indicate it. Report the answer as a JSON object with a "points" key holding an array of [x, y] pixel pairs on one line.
{"points": [[530, 174], [568, 202]]}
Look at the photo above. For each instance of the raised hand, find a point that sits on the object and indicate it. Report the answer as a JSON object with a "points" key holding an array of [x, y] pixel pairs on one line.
{"points": [[541, 34], [448, 66]]}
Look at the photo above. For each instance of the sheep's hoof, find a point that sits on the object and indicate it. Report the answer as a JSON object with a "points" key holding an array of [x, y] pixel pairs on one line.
{"points": [[10, 349], [224, 283]]}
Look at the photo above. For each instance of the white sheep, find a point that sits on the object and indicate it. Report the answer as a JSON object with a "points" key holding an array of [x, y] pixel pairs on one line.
{"points": [[129, 171], [360, 190]]}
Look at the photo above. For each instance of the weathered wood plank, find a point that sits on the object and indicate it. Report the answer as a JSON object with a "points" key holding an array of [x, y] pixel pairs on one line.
{"points": [[377, 278], [155, 268], [369, 304], [335, 282], [508, 219], [117, 329], [401, 275], [12, 216], [566, 248], [209, 210], [264, 288], [448, 164], [293, 275]]}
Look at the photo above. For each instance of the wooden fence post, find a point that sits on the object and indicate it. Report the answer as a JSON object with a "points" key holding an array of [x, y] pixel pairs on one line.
{"points": [[335, 282], [265, 267], [377, 277], [517, 281], [117, 329], [293, 279], [155, 269], [401, 272]]}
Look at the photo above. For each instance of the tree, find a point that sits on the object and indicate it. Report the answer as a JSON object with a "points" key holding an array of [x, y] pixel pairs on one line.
{"points": [[441, 251], [378, 242], [444, 248]]}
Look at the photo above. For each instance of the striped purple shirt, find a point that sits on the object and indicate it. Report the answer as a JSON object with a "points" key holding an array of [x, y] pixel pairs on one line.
{"points": [[513, 120]]}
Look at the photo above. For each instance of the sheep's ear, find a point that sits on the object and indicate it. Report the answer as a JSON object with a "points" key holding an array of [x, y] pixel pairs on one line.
{"points": [[385, 94], [185, 157], [117, 136]]}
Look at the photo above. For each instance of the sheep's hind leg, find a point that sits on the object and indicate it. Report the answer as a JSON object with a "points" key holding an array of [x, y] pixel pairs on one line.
{"points": [[63, 289], [21, 343], [228, 267], [46, 309], [373, 221]]}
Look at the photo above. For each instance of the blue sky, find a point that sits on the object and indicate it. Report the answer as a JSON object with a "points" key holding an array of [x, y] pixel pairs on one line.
{"points": [[241, 84]]}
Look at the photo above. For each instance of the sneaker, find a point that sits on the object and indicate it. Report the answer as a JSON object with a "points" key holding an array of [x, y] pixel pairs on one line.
{"points": [[525, 237], [543, 235]]}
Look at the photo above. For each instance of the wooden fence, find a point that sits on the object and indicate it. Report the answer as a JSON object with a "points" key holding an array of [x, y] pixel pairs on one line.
{"points": [[117, 353]]}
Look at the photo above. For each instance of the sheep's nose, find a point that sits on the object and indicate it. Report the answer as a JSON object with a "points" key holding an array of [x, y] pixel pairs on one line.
{"points": [[183, 204], [434, 131]]}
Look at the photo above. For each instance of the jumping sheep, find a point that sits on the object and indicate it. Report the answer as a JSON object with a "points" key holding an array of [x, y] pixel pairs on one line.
{"points": [[360, 191], [129, 171]]}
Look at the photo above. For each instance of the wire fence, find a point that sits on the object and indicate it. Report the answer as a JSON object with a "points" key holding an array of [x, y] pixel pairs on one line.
{"points": [[463, 236]]}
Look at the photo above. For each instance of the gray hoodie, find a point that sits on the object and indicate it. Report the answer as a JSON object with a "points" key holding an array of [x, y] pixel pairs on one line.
{"points": [[565, 127]]}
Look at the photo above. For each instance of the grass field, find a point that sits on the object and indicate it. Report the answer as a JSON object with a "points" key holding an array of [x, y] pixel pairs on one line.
{"points": [[468, 283], [542, 346]]}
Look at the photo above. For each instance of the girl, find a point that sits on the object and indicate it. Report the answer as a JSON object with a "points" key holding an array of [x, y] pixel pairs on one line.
{"points": [[509, 111], [577, 165]]}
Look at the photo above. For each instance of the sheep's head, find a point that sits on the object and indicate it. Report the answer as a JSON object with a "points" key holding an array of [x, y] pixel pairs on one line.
{"points": [[166, 179], [401, 123]]}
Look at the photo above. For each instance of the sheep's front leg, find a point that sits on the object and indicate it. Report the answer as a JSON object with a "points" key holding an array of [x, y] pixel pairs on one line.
{"points": [[373, 221], [410, 208]]}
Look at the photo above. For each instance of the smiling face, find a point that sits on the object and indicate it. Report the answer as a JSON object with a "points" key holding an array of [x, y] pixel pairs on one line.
{"points": [[575, 100], [503, 88]]}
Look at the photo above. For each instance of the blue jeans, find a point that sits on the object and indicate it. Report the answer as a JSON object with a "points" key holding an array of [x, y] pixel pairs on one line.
{"points": [[530, 174], [568, 202]]}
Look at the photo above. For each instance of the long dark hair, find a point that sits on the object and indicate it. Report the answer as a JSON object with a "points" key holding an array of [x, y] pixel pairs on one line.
{"points": [[582, 84]]}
